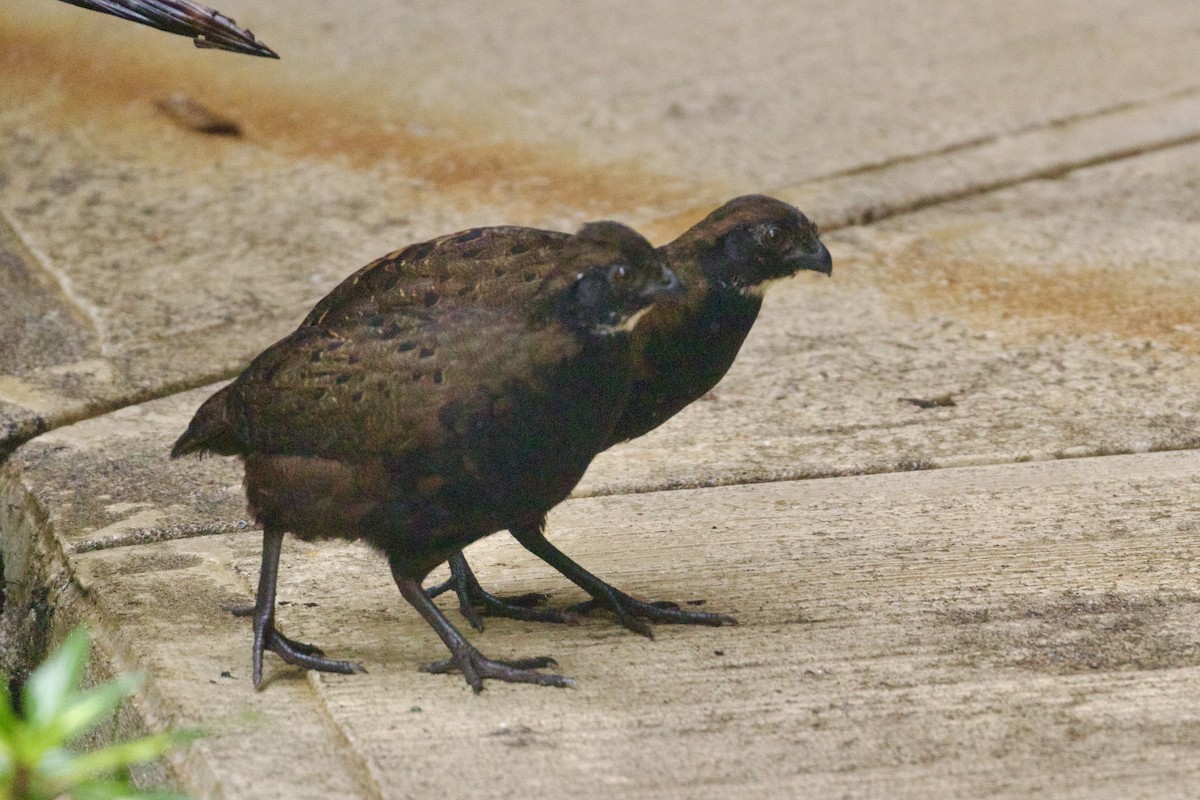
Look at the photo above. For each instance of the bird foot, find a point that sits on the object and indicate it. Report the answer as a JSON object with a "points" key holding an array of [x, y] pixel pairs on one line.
{"points": [[474, 602], [298, 654], [303, 655], [475, 666], [630, 612]]}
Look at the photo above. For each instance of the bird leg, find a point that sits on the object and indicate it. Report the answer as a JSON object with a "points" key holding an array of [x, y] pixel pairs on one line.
{"points": [[626, 608], [263, 614], [464, 657], [473, 598]]}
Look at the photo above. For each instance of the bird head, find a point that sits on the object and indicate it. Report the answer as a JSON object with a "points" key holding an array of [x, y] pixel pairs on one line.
{"points": [[749, 242], [617, 275]]}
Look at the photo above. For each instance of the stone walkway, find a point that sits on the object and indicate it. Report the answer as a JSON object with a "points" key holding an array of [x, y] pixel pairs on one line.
{"points": [[951, 495]]}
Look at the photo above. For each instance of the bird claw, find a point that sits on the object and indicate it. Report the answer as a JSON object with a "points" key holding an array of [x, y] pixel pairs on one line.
{"points": [[307, 656], [280, 642], [474, 667], [520, 607], [480, 596], [298, 654], [475, 602], [630, 612]]}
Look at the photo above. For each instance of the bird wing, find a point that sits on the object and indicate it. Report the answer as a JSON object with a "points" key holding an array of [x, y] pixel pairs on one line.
{"points": [[382, 391], [480, 266], [311, 394], [374, 362]]}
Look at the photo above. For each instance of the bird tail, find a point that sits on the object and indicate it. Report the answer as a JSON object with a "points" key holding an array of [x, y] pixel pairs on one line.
{"points": [[212, 430]]}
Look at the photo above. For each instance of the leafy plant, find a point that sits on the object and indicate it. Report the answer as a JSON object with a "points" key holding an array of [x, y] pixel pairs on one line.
{"points": [[35, 762]]}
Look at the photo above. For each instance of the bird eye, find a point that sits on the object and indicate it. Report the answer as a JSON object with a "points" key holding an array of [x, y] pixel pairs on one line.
{"points": [[618, 274], [775, 237]]}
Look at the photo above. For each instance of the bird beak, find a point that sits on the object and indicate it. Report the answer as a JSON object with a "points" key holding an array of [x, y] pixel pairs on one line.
{"points": [[817, 260]]}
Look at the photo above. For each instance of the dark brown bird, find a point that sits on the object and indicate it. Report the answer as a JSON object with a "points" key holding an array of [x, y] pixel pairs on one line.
{"points": [[680, 352], [447, 391]]}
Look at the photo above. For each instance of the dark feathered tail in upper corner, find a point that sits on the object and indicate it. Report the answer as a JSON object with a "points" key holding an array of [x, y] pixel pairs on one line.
{"points": [[212, 430]]}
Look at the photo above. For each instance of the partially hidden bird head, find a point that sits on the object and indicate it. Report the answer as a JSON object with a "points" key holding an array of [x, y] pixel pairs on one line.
{"points": [[616, 276], [749, 242]]}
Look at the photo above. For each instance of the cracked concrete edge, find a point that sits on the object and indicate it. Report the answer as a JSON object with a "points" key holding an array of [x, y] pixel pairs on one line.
{"points": [[1052, 151], [909, 184], [860, 196], [601, 488], [52, 277]]}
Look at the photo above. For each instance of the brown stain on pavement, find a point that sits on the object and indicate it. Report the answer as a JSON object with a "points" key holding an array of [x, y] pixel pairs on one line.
{"points": [[1134, 302], [666, 227], [71, 82]]}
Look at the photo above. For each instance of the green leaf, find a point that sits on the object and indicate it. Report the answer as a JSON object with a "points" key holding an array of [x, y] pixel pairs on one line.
{"points": [[77, 768], [56, 712], [82, 711], [54, 681]]}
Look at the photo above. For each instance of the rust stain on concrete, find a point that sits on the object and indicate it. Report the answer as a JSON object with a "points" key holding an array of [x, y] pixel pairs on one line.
{"points": [[667, 227], [1149, 301], [65, 81]]}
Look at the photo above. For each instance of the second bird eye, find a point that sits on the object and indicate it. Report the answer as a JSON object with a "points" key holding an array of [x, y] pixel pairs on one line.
{"points": [[618, 273]]}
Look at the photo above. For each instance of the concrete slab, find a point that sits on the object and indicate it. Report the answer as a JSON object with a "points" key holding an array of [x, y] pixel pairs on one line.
{"points": [[180, 254], [1000, 631]]}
